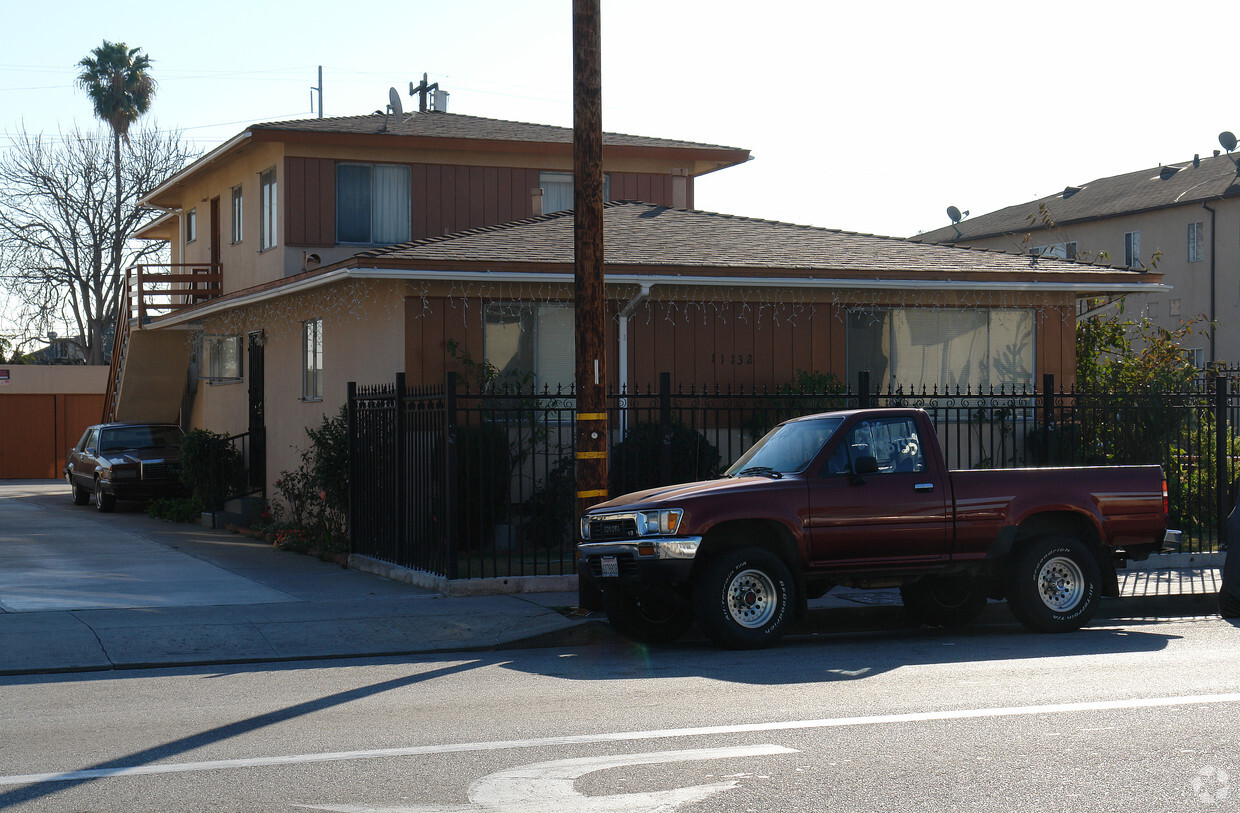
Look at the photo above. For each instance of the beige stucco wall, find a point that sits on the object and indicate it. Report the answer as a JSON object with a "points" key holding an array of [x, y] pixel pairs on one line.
{"points": [[53, 379], [363, 341], [1166, 231], [244, 265]]}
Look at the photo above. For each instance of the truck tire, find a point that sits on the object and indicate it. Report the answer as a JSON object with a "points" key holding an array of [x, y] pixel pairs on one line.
{"points": [[1053, 584], [944, 601], [743, 598], [646, 617]]}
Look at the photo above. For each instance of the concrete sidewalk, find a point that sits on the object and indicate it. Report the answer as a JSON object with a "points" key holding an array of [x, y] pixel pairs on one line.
{"points": [[80, 590]]}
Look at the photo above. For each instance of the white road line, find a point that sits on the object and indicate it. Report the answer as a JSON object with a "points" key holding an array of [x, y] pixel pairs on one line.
{"points": [[622, 736]]}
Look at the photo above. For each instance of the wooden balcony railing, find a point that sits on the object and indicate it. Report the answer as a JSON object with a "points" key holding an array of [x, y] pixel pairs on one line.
{"points": [[157, 290]]}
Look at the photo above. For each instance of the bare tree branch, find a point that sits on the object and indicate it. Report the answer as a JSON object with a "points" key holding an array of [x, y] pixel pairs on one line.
{"points": [[57, 227]]}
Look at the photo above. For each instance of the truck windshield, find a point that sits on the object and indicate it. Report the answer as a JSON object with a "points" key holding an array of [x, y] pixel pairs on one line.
{"points": [[786, 448]]}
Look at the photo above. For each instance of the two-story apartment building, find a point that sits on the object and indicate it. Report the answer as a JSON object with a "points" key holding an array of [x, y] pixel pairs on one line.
{"points": [[313, 253], [1181, 220]]}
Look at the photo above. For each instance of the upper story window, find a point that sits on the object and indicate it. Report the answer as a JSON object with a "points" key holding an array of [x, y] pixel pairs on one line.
{"points": [[557, 190], [373, 204], [1196, 242], [267, 209], [941, 347], [1062, 251], [235, 209], [191, 225], [1132, 248]]}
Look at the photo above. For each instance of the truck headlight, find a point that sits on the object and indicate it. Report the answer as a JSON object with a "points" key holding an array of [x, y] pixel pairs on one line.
{"points": [[665, 521]]}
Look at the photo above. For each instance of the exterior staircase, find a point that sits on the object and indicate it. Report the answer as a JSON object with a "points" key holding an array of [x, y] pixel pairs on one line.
{"points": [[146, 381]]}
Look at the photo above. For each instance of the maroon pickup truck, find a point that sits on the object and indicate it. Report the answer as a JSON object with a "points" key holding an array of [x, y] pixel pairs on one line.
{"points": [[863, 498]]}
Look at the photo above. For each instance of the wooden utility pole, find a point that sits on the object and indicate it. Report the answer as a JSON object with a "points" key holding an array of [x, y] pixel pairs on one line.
{"points": [[591, 371]]}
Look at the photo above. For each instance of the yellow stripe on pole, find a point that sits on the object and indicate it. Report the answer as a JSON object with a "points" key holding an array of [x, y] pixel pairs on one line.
{"points": [[582, 495], [591, 455], [591, 416]]}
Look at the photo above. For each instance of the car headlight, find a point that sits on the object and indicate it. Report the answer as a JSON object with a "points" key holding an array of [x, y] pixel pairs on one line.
{"points": [[663, 521]]}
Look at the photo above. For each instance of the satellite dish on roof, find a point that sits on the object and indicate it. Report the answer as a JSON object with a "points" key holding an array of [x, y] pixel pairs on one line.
{"points": [[394, 104], [1227, 139], [955, 214]]}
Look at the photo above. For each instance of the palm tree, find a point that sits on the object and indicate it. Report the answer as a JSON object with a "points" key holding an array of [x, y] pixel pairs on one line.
{"points": [[116, 78]]}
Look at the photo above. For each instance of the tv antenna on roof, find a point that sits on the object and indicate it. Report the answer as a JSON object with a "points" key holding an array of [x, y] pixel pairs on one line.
{"points": [[394, 107], [956, 216]]}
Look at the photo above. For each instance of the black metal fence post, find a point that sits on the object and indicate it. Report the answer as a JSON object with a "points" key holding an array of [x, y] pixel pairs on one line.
{"points": [[354, 457], [1048, 418], [402, 469], [665, 427], [1222, 478], [450, 477], [863, 389]]}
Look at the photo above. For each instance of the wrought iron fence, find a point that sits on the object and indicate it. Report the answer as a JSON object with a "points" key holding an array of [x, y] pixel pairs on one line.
{"points": [[468, 484]]}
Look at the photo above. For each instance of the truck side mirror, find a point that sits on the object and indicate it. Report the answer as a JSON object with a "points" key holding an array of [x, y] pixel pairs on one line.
{"points": [[867, 464]]}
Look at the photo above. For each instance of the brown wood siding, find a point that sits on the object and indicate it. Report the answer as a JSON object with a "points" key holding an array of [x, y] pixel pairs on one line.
{"points": [[309, 201], [445, 198], [40, 429], [647, 187]]}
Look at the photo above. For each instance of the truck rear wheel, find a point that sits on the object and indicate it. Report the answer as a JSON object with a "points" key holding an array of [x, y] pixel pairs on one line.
{"points": [[743, 598], [944, 601], [1053, 584], [646, 617]]}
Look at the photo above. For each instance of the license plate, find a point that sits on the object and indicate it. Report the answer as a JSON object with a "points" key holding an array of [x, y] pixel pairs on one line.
{"points": [[611, 568]]}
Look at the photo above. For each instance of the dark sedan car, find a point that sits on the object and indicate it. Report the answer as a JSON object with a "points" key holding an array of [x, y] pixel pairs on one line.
{"points": [[125, 461]]}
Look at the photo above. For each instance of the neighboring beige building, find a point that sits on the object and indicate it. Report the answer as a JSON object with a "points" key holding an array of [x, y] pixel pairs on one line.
{"points": [[1181, 220], [309, 254]]}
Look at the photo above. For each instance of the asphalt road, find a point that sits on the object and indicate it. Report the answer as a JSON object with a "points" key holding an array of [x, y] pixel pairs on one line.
{"points": [[1144, 716]]}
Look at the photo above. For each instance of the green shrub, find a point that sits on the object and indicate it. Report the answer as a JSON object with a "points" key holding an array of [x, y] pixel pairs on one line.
{"points": [[174, 509], [552, 508], [212, 468], [483, 479], [314, 497], [635, 462]]}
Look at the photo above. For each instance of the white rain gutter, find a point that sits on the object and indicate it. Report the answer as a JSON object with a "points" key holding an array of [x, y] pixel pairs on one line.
{"points": [[625, 313], [647, 280], [203, 161]]}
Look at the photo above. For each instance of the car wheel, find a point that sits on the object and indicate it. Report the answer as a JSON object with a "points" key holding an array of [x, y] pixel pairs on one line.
{"points": [[1053, 584], [944, 601], [743, 598], [646, 617], [80, 495], [104, 502]]}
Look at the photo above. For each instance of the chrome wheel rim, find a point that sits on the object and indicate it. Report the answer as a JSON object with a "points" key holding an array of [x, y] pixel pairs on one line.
{"points": [[1061, 584], [752, 599]]}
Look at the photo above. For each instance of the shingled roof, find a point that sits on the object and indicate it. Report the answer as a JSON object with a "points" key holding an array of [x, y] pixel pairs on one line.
{"points": [[436, 124], [1141, 191], [640, 235]]}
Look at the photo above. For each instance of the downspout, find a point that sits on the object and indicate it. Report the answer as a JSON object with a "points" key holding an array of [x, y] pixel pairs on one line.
{"points": [[1206, 205], [625, 313]]}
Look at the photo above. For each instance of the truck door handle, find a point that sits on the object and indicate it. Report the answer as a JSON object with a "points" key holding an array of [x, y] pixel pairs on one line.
{"points": [[924, 487]]}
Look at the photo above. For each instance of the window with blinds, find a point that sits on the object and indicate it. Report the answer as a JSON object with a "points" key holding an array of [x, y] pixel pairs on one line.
{"points": [[373, 204], [941, 347], [532, 339]]}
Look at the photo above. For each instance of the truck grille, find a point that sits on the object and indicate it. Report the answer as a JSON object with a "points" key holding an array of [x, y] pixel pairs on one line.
{"points": [[606, 530]]}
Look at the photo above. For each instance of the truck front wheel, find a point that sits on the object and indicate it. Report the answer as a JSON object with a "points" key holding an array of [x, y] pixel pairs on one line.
{"points": [[743, 598], [1053, 584], [646, 617]]}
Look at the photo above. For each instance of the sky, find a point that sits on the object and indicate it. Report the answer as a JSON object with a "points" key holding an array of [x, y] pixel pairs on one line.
{"points": [[864, 116]]}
